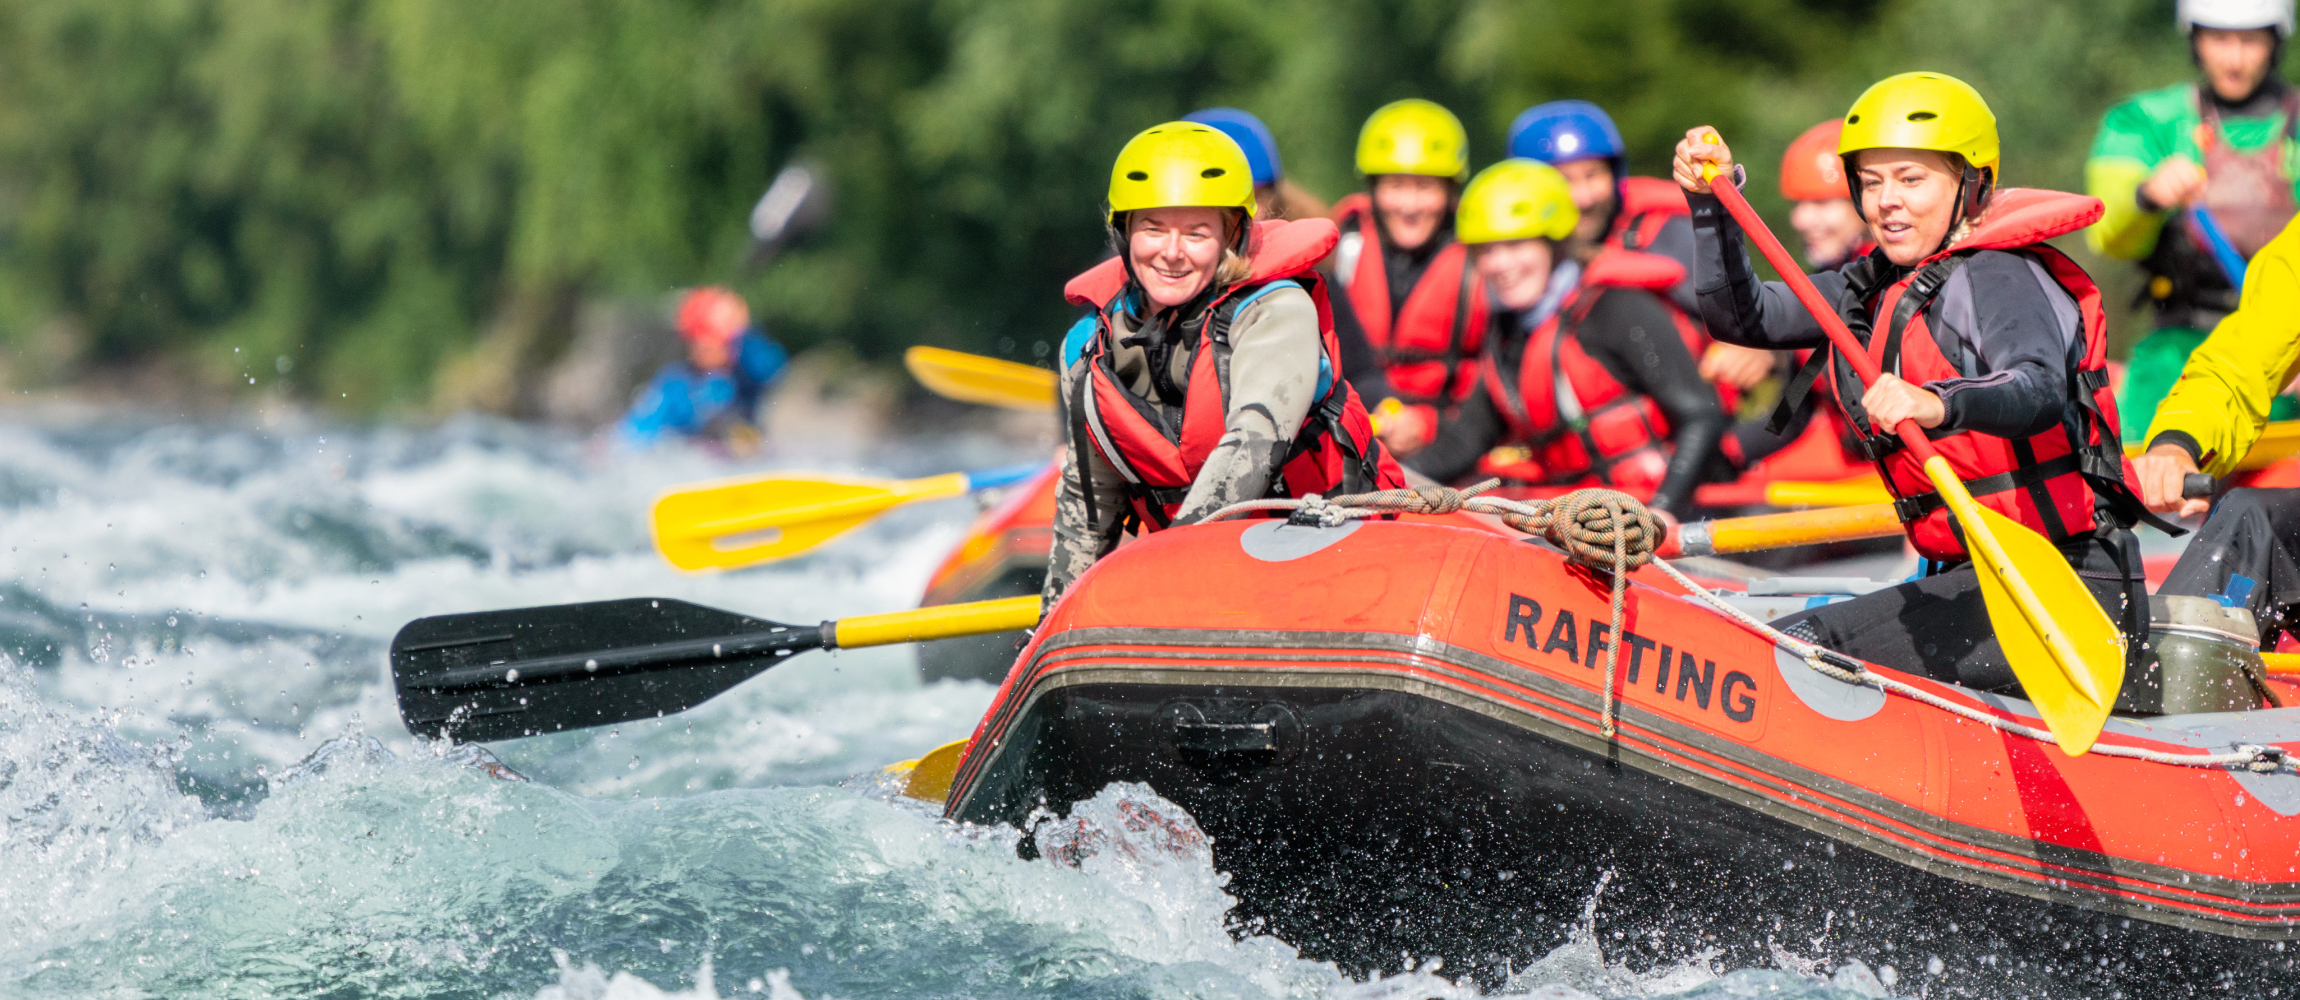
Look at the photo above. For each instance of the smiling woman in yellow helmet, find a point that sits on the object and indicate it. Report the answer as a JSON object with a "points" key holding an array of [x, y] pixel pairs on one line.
{"points": [[1998, 341], [1207, 374]]}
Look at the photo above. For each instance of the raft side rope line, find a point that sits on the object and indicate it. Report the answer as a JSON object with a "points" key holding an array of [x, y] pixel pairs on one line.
{"points": [[1604, 529]]}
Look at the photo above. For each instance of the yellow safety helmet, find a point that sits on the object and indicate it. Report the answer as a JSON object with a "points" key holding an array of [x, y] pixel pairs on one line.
{"points": [[1516, 199], [1178, 164], [1923, 111], [1413, 136]]}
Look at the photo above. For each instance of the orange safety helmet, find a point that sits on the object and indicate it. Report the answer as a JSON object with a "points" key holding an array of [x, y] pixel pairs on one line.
{"points": [[1811, 170], [713, 313]]}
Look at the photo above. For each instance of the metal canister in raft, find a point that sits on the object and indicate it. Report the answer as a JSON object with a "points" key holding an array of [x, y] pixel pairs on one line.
{"points": [[2200, 657]]}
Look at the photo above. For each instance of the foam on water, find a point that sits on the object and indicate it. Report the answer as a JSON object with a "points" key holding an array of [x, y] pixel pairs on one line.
{"points": [[205, 790]]}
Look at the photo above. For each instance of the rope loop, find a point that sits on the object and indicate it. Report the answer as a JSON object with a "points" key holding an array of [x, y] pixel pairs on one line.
{"points": [[1604, 529], [1418, 500]]}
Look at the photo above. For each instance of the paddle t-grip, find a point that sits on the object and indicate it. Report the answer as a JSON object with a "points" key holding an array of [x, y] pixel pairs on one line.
{"points": [[2198, 486]]}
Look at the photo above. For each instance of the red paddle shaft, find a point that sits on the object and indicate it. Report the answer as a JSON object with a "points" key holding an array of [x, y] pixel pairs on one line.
{"points": [[1823, 313]]}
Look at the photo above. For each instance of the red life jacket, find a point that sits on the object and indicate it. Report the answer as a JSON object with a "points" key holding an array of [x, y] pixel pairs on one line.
{"points": [[1429, 345], [1647, 204], [2046, 481], [1334, 451], [1580, 425]]}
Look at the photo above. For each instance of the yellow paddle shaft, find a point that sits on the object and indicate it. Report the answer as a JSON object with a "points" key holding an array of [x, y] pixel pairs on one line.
{"points": [[2282, 663], [942, 621], [1780, 531], [930, 488], [1841, 493], [1990, 557]]}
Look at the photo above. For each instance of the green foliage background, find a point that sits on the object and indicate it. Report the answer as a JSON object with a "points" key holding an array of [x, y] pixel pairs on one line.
{"points": [[376, 190]]}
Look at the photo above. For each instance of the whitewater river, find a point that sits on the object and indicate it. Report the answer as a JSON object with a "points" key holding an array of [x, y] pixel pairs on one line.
{"points": [[205, 789]]}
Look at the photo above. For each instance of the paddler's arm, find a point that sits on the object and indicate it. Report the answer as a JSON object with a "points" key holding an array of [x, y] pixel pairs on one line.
{"points": [[1463, 438], [2218, 408], [1078, 543], [1275, 349], [1630, 333], [2126, 153], [1735, 306]]}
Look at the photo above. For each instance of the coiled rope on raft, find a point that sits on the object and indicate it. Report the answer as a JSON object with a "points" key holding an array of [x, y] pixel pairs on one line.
{"points": [[1612, 532]]}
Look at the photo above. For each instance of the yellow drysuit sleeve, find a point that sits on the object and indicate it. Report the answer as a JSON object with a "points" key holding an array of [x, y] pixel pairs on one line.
{"points": [[2221, 401]]}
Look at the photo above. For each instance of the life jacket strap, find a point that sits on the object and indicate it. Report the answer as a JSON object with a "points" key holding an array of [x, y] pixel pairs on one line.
{"points": [[1878, 442], [1916, 506], [1454, 341], [1079, 457], [2103, 463]]}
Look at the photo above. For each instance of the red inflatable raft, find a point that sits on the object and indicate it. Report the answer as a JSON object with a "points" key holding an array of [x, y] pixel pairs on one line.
{"points": [[1390, 730]]}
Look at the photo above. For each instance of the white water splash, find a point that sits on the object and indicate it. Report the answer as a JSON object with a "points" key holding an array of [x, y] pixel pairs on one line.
{"points": [[211, 795]]}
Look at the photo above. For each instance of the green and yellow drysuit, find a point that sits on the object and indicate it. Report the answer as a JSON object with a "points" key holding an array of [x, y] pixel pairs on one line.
{"points": [[2249, 153]]}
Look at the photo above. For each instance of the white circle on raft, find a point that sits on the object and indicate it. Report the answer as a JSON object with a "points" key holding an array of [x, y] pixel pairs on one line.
{"points": [[1278, 541], [1827, 695]]}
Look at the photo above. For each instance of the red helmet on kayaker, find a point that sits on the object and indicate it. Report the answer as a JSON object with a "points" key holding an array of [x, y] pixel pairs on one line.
{"points": [[713, 314]]}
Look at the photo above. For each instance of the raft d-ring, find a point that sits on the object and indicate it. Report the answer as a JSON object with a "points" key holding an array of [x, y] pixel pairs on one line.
{"points": [[1833, 698], [1279, 541]]}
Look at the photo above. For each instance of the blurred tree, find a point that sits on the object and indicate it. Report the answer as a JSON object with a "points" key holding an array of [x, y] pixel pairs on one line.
{"points": [[396, 203]]}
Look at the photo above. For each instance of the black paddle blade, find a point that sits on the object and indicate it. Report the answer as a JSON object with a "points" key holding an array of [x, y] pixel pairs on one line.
{"points": [[494, 675]]}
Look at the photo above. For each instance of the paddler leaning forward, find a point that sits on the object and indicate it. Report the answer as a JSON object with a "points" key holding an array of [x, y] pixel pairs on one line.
{"points": [[1206, 374], [1999, 342]]}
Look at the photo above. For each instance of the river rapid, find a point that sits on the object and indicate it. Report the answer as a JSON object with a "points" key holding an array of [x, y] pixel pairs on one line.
{"points": [[205, 789]]}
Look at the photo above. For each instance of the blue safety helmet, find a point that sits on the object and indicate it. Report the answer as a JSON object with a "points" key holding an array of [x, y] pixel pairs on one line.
{"points": [[1251, 135], [1566, 131]]}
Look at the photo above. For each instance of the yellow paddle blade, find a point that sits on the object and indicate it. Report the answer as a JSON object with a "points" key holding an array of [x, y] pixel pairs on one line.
{"points": [[747, 521], [972, 378], [1854, 492], [2066, 652], [929, 777]]}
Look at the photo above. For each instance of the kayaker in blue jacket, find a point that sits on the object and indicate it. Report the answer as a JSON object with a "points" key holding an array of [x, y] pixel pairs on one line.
{"points": [[714, 393]]}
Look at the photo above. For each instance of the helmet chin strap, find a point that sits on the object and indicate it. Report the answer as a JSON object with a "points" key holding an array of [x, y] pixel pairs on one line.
{"points": [[1973, 189]]}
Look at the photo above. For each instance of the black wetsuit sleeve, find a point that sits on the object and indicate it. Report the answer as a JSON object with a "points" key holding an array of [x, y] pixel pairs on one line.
{"points": [[1674, 240], [1631, 334], [1360, 365], [1463, 438], [2023, 347], [1734, 305]]}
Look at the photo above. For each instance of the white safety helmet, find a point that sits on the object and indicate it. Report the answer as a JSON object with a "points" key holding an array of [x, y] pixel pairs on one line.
{"points": [[2236, 15]]}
